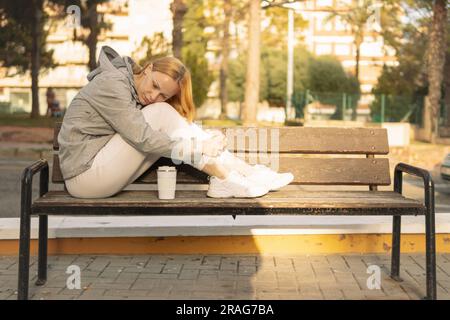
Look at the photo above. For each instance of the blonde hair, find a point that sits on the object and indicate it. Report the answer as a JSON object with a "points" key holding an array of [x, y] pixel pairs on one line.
{"points": [[174, 68]]}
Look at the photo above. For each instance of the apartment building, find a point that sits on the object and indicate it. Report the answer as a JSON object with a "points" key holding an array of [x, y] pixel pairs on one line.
{"points": [[324, 37], [131, 21]]}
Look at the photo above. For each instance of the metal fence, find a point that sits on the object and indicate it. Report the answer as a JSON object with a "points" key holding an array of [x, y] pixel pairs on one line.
{"points": [[373, 107]]}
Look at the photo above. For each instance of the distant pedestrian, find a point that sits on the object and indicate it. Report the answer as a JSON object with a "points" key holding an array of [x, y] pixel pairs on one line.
{"points": [[53, 106]]}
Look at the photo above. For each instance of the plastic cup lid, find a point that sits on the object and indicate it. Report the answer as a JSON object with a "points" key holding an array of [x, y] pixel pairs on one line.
{"points": [[167, 169]]}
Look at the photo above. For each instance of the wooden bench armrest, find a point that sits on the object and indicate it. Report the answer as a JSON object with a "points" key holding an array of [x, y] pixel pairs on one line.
{"points": [[28, 173], [427, 179]]}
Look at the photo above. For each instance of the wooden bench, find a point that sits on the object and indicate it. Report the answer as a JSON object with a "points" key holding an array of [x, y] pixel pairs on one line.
{"points": [[343, 157]]}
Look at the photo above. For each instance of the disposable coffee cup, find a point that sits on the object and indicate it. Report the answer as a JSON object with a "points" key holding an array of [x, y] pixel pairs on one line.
{"points": [[167, 182]]}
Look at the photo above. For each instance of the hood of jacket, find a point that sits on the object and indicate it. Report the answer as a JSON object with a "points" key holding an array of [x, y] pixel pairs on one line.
{"points": [[110, 60]]}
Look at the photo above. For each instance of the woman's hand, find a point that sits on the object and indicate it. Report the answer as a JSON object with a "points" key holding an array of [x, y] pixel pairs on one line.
{"points": [[215, 145]]}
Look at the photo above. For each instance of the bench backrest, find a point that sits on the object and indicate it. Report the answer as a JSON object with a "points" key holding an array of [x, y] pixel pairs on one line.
{"points": [[316, 156]]}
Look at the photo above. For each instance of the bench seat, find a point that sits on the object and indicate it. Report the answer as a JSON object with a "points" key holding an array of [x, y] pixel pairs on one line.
{"points": [[136, 202]]}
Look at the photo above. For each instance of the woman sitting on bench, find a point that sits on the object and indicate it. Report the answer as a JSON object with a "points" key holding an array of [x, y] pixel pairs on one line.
{"points": [[128, 116]]}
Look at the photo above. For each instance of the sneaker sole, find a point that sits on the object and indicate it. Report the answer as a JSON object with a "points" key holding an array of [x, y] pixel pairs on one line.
{"points": [[223, 195], [280, 183]]}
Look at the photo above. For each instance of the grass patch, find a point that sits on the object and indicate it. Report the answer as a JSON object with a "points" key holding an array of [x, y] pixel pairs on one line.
{"points": [[24, 120], [220, 123], [234, 123]]}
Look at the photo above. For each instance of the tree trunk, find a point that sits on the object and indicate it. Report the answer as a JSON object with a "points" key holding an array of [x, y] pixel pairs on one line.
{"points": [[447, 88], [436, 60], [179, 9], [358, 55], [224, 61], [92, 39], [253, 63], [36, 56]]}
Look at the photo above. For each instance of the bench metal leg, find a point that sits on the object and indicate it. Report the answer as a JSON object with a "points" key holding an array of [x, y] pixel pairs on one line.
{"points": [[42, 258], [40, 166], [24, 245], [395, 256], [430, 245], [396, 233]]}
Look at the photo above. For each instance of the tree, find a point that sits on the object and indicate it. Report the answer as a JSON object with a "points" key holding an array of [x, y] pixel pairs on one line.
{"points": [[403, 85], [195, 42], [322, 75], [227, 8], [219, 15], [327, 79], [249, 109], [201, 77], [179, 9], [447, 78], [152, 48], [356, 17], [248, 112], [274, 35], [436, 60], [22, 42], [94, 22]]}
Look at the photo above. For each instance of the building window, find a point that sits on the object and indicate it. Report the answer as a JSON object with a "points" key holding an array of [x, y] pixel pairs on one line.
{"points": [[323, 48], [340, 25], [342, 49], [322, 24], [20, 101], [324, 3]]}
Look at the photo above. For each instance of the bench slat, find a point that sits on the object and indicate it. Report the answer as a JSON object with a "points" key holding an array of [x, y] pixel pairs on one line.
{"points": [[309, 140], [314, 171], [196, 202], [300, 140]]}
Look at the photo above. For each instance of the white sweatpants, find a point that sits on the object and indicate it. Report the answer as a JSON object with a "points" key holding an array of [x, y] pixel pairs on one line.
{"points": [[118, 164]]}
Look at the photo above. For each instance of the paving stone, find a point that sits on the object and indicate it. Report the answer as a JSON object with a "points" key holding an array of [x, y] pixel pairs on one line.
{"points": [[180, 295], [126, 293], [266, 261], [174, 269], [227, 277], [145, 284], [113, 285], [188, 274]]}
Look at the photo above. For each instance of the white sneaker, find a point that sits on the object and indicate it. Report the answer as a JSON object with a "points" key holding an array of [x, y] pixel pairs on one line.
{"points": [[235, 185], [273, 180]]}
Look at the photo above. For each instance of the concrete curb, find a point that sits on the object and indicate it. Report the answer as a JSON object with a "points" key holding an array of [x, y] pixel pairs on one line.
{"points": [[166, 226], [22, 150]]}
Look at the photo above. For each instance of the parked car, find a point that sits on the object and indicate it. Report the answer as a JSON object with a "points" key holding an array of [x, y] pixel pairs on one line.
{"points": [[445, 168]]}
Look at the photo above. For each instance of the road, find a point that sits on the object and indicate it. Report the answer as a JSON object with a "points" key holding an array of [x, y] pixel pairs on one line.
{"points": [[11, 170]]}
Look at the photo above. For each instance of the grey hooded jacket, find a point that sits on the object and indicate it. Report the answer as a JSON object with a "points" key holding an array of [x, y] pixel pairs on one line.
{"points": [[108, 104]]}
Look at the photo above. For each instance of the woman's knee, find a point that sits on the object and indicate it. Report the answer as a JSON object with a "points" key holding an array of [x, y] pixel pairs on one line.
{"points": [[159, 109]]}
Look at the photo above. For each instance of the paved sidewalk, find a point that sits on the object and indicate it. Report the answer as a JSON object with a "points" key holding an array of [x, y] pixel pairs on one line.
{"points": [[227, 277], [26, 150]]}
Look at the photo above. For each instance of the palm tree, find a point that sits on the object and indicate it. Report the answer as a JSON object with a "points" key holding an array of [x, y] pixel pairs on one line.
{"points": [[179, 9], [356, 17], [253, 64], [437, 47], [227, 8]]}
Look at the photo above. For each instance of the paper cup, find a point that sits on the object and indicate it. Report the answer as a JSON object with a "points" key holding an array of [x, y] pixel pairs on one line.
{"points": [[167, 182]]}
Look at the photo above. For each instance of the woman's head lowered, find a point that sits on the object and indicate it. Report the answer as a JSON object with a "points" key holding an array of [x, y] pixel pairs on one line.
{"points": [[165, 79]]}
